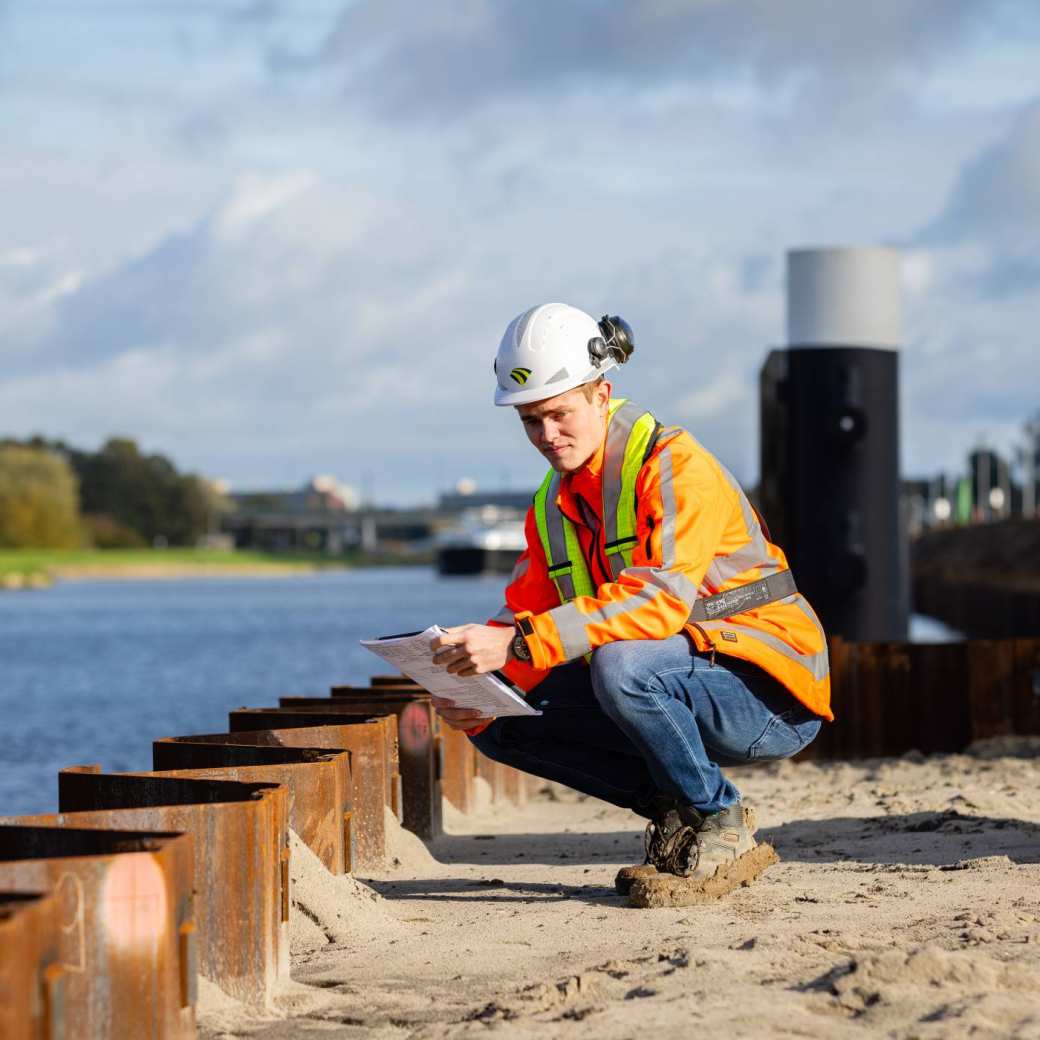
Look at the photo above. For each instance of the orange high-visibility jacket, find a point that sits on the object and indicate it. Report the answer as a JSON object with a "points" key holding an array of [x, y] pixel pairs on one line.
{"points": [[697, 535]]}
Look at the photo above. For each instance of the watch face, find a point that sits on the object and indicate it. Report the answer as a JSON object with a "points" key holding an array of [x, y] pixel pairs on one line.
{"points": [[520, 648]]}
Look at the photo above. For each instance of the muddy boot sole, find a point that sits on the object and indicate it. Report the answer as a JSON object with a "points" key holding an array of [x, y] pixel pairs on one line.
{"points": [[660, 890], [626, 876]]}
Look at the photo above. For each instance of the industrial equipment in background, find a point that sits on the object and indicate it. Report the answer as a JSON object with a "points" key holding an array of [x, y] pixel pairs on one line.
{"points": [[829, 440], [485, 540]]}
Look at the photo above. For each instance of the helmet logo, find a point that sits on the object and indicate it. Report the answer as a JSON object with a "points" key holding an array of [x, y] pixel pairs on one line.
{"points": [[520, 375]]}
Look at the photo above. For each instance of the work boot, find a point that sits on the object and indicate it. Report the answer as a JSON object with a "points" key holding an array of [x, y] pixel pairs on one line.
{"points": [[707, 858], [664, 824], [708, 841]]}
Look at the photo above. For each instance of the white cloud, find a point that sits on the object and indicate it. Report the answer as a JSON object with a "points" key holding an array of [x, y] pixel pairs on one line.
{"points": [[20, 258], [713, 401], [257, 196], [917, 268], [971, 365], [998, 192], [322, 286], [409, 61]]}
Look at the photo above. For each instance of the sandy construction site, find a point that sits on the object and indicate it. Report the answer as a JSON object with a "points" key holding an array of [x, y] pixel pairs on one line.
{"points": [[906, 905]]}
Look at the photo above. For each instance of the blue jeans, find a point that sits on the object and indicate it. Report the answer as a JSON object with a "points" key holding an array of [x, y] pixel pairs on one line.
{"points": [[650, 718]]}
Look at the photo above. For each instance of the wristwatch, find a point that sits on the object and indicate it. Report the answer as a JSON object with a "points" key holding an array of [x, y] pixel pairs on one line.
{"points": [[521, 651]]}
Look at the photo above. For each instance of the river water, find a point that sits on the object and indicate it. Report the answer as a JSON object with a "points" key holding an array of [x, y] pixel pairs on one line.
{"points": [[94, 671]]}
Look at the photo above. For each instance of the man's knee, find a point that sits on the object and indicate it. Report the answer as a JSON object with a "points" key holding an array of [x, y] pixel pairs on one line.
{"points": [[615, 672]]}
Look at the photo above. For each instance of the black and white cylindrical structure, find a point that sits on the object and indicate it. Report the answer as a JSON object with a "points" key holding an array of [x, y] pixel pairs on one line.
{"points": [[830, 440]]}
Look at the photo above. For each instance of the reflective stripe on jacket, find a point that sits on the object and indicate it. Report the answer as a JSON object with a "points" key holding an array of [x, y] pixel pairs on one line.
{"points": [[631, 433], [695, 534]]}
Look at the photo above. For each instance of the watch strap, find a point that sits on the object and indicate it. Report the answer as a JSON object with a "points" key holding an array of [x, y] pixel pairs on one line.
{"points": [[521, 651]]}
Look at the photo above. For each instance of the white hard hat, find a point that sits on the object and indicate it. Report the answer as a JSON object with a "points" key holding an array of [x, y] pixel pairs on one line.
{"points": [[553, 348]]}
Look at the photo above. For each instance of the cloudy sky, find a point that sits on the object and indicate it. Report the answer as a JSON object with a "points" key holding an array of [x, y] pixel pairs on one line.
{"points": [[273, 238]]}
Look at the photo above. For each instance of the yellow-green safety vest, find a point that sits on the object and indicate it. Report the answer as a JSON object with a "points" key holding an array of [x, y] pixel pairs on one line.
{"points": [[631, 436]]}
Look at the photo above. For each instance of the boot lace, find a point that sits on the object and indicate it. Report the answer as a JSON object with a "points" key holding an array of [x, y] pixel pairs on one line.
{"points": [[656, 838], [675, 856], [666, 850], [653, 840]]}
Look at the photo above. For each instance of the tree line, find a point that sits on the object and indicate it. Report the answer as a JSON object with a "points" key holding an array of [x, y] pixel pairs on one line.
{"points": [[53, 495]]}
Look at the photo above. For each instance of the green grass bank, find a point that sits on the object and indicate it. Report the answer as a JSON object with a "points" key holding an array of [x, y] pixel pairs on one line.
{"points": [[38, 567]]}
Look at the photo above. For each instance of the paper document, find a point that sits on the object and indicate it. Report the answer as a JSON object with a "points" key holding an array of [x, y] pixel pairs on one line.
{"points": [[412, 655]]}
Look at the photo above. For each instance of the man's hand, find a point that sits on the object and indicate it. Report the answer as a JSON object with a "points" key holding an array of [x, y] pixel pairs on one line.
{"points": [[457, 718], [472, 649]]}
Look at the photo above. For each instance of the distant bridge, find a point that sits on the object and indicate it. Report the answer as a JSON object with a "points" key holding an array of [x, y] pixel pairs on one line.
{"points": [[335, 531]]}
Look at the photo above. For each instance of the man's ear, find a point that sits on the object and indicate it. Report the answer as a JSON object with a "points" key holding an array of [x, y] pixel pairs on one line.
{"points": [[603, 394]]}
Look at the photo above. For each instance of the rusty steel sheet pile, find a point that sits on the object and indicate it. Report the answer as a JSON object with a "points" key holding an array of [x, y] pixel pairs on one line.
{"points": [[424, 764], [32, 1005], [108, 949], [142, 881], [458, 767], [416, 746], [328, 714], [318, 781], [514, 785], [387, 725], [456, 755], [892, 697], [365, 739], [458, 758], [506, 784], [241, 856], [250, 718]]}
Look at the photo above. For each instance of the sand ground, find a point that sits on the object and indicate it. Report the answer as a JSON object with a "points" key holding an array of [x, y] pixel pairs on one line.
{"points": [[906, 905]]}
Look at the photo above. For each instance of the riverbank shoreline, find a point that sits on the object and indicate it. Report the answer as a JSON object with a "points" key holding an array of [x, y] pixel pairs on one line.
{"points": [[36, 569], [173, 572], [31, 569]]}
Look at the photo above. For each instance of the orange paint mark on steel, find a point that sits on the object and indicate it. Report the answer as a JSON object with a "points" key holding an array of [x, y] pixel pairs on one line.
{"points": [[133, 903], [100, 957]]}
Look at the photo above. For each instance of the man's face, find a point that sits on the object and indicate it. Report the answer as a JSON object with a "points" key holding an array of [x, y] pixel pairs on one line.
{"points": [[567, 429]]}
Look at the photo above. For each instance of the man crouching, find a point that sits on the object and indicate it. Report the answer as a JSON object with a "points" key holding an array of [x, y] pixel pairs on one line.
{"points": [[650, 618]]}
